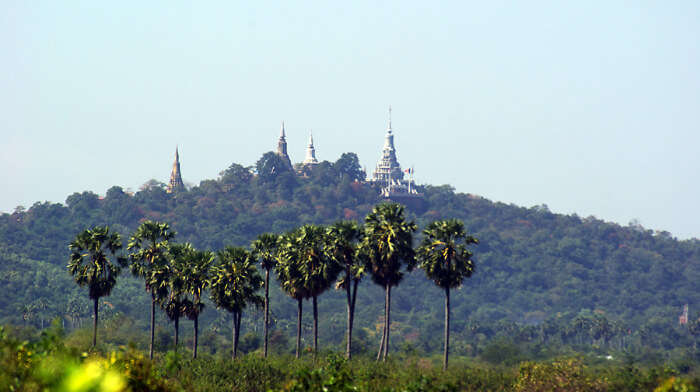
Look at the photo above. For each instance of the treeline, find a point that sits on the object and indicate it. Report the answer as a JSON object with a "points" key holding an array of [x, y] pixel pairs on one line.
{"points": [[536, 269], [308, 261]]}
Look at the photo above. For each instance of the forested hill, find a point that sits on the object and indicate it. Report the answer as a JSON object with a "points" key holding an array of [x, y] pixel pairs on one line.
{"points": [[531, 265]]}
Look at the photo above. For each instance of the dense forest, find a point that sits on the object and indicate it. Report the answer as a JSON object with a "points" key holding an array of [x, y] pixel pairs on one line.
{"points": [[542, 282]]}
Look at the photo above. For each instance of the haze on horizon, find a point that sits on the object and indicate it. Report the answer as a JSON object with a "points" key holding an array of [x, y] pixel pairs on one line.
{"points": [[590, 108]]}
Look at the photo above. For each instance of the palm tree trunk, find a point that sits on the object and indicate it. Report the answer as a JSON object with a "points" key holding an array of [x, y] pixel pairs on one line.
{"points": [[381, 343], [298, 327], [196, 335], [314, 301], [447, 328], [349, 299], [94, 324], [352, 315], [383, 339], [177, 331], [388, 322], [234, 340], [153, 324], [267, 310]]}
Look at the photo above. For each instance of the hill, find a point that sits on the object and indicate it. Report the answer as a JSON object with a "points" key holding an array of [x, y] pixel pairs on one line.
{"points": [[540, 276]]}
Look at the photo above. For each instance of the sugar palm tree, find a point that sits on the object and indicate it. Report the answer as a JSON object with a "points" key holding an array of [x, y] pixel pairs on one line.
{"points": [[319, 270], [91, 266], [444, 257], [196, 276], [291, 275], [234, 284], [176, 304], [149, 247], [265, 250], [388, 245], [342, 245]]}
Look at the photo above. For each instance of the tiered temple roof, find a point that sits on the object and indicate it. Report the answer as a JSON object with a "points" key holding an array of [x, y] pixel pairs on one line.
{"points": [[388, 168], [282, 148], [176, 184]]}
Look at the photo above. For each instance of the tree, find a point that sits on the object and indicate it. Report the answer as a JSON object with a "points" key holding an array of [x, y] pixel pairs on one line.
{"points": [[269, 166], [444, 257], [348, 166], [196, 275], [149, 248], [291, 276], [319, 271], [90, 265], [265, 250], [388, 244], [234, 284], [343, 245], [176, 304]]}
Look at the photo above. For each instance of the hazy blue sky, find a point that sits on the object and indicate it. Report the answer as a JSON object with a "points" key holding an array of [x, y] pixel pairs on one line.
{"points": [[588, 107]]}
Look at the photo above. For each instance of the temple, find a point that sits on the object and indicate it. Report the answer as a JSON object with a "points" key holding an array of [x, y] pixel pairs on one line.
{"points": [[176, 185], [282, 148], [388, 168], [310, 159]]}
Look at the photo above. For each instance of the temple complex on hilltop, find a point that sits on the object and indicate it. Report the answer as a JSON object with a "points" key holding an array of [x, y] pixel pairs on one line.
{"points": [[176, 184], [388, 174]]}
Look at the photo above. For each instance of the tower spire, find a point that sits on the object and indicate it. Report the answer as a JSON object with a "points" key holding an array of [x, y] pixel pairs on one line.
{"points": [[176, 184], [310, 151], [282, 148], [389, 117]]}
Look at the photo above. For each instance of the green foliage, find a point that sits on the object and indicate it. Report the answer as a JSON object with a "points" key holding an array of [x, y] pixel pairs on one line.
{"points": [[538, 271], [443, 253], [559, 376], [89, 261], [388, 243]]}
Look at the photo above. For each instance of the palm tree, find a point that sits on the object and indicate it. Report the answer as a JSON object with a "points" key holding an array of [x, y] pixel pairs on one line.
{"points": [[265, 250], [196, 276], [290, 273], [91, 266], [388, 245], [234, 283], [149, 248], [175, 304], [444, 257], [343, 238], [319, 270]]}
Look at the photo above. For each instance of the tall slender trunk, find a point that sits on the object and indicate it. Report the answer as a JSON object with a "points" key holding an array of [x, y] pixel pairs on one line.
{"points": [[349, 299], [196, 335], [315, 306], [352, 312], [94, 324], [388, 322], [177, 331], [153, 324], [298, 327], [381, 343], [267, 310], [447, 328], [383, 340], [236, 332]]}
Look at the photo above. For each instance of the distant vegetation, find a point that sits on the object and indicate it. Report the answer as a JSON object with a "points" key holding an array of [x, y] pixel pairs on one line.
{"points": [[543, 284]]}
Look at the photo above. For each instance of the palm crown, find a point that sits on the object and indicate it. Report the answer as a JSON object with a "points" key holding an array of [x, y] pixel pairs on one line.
{"points": [[235, 280], [89, 260], [443, 253], [388, 243]]}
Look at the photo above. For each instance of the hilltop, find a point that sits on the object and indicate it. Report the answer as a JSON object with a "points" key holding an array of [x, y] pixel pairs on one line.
{"points": [[534, 269]]}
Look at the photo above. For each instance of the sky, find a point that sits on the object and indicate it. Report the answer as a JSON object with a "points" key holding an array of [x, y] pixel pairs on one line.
{"points": [[590, 107]]}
